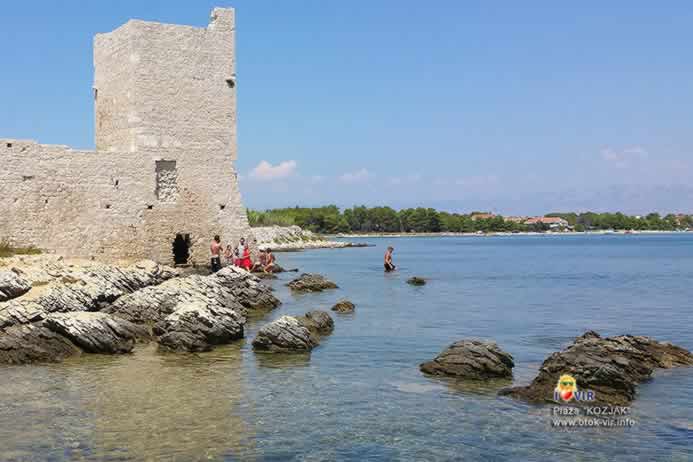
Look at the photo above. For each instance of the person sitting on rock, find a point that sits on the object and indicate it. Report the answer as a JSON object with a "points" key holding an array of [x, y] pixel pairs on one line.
{"points": [[228, 256], [259, 265], [389, 266], [269, 263]]}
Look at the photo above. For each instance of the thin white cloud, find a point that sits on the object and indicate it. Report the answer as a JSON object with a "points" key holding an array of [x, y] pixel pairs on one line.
{"points": [[268, 172], [477, 181], [623, 158], [408, 179], [358, 176]]}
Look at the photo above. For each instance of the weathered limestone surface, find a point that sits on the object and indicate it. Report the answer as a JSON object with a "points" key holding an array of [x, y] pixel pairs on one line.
{"points": [[198, 327], [344, 306], [96, 332], [12, 285], [231, 288], [106, 309], [471, 359], [29, 343], [165, 122], [290, 334], [285, 335], [611, 367], [311, 282], [89, 289]]}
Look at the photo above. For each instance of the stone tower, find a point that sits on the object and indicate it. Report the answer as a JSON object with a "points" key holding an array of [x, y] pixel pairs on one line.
{"points": [[162, 181]]}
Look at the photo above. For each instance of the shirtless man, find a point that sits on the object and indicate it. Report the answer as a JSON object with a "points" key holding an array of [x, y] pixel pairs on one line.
{"points": [[269, 262], [216, 249], [389, 266]]}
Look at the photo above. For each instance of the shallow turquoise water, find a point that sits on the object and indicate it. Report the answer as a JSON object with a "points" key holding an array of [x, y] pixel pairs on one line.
{"points": [[360, 395]]}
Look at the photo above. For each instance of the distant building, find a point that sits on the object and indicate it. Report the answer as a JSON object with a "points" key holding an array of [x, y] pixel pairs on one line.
{"points": [[482, 216], [551, 222], [516, 219]]}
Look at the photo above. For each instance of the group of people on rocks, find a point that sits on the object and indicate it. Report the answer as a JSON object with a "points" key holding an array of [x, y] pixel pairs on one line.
{"points": [[240, 257]]}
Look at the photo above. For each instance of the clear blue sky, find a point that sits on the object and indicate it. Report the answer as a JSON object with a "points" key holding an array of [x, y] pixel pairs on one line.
{"points": [[514, 107]]}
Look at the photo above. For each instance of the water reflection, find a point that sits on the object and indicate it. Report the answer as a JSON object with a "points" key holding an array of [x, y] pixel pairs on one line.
{"points": [[282, 360], [145, 406]]}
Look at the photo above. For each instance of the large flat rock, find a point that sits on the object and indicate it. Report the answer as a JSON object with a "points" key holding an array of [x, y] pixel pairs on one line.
{"points": [[96, 332], [85, 289], [30, 343], [198, 327], [471, 359], [12, 285], [611, 367]]}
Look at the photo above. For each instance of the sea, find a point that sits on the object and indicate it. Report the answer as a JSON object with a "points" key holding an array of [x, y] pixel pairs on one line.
{"points": [[360, 395]]}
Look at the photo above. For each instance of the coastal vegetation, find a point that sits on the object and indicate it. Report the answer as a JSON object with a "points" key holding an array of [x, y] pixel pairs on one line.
{"points": [[361, 219], [6, 250]]}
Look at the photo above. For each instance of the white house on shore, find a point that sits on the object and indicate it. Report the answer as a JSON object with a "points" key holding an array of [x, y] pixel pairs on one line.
{"points": [[551, 222]]}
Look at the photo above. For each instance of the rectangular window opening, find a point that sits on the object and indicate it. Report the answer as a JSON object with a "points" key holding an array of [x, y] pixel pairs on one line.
{"points": [[166, 181]]}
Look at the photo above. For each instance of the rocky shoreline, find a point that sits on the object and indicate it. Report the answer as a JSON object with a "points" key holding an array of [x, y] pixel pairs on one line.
{"points": [[54, 309], [294, 238], [99, 308]]}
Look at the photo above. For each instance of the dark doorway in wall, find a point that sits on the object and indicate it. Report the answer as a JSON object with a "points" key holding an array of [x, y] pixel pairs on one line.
{"points": [[181, 249]]}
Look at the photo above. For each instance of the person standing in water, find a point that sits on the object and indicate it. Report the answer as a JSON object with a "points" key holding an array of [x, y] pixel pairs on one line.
{"points": [[389, 266], [216, 249]]}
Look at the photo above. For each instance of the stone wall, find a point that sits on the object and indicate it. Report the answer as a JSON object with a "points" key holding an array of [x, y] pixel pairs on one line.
{"points": [[165, 108]]}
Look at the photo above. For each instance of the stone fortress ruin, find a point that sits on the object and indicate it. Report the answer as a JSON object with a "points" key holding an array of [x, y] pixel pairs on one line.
{"points": [[161, 182]]}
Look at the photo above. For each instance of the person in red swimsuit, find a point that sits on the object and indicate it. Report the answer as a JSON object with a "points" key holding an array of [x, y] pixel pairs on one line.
{"points": [[245, 260]]}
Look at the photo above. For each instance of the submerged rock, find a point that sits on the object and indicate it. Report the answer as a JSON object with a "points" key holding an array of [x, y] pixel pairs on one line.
{"points": [[610, 367], [344, 306], [30, 343], [416, 281], [96, 332], [471, 359], [290, 334], [311, 282], [12, 285], [198, 327]]}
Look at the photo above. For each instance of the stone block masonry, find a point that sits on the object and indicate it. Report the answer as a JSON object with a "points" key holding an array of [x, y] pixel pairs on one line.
{"points": [[165, 123]]}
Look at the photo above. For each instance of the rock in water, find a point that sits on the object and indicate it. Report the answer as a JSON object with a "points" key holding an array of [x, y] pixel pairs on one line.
{"points": [[261, 275], [318, 322], [96, 332], [198, 327], [311, 282], [12, 285], [344, 306], [289, 334], [285, 335], [247, 289], [471, 359], [29, 343], [416, 281], [610, 367]]}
